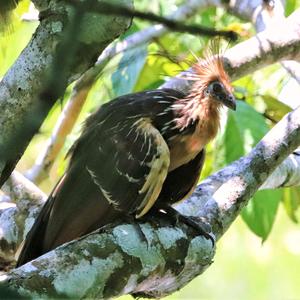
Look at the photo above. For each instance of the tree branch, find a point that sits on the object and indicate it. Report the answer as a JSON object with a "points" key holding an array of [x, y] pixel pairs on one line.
{"points": [[17, 219], [17, 187], [119, 10], [286, 175], [264, 15]]}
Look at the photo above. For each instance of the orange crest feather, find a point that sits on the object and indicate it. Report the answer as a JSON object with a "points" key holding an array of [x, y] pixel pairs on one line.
{"points": [[211, 67]]}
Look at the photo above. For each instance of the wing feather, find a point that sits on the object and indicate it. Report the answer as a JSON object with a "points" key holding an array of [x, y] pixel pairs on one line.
{"points": [[158, 172], [132, 166]]}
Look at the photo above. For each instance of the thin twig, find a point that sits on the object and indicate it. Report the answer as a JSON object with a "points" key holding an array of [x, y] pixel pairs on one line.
{"points": [[112, 9]]}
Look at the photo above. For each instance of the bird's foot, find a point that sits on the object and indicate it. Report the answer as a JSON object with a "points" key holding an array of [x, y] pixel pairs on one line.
{"points": [[137, 226], [199, 225]]}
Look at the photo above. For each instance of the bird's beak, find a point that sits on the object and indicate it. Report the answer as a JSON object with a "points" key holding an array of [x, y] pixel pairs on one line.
{"points": [[230, 102]]}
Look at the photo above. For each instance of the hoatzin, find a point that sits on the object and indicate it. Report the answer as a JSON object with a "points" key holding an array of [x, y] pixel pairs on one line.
{"points": [[137, 152]]}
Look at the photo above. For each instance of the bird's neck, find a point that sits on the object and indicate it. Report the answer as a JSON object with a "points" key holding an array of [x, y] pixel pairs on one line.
{"points": [[198, 109]]}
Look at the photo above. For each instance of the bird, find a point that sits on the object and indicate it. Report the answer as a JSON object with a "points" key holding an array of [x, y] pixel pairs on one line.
{"points": [[137, 153]]}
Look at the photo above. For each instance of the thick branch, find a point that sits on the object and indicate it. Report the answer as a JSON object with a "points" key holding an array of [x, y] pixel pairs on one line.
{"points": [[286, 175], [266, 15], [26, 201], [115, 263], [17, 187]]}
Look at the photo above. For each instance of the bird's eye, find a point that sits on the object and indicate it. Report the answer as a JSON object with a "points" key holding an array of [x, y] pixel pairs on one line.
{"points": [[217, 87]]}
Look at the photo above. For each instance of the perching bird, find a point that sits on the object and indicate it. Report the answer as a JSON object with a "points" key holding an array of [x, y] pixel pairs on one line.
{"points": [[137, 151]]}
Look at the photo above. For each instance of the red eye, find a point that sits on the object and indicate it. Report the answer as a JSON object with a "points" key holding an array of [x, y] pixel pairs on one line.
{"points": [[217, 87]]}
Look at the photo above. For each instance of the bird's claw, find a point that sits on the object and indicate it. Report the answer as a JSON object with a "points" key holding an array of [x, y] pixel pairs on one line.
{"points": [[195, 222], [199, 225]]}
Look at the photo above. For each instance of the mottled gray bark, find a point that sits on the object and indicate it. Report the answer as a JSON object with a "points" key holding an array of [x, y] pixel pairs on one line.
{"points": [[264, 15], [22, 89], [116, 262], [17, 213]]}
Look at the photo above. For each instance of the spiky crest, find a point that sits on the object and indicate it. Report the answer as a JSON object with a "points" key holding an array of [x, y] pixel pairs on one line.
{"points": [[211, 67], [196, 105]]}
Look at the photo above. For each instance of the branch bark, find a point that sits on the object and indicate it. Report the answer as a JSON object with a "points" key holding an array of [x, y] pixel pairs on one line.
{"points": [[266, 15], [17, 216]]}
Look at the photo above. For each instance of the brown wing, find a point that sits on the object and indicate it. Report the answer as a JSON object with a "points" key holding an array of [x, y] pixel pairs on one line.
{"points": [[117, 169]]}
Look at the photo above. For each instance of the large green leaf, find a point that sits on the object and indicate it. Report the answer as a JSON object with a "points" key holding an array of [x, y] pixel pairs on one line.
{"points": [[234, 139], [275, 109], [260, 213], [128, 71], [244, 128], [155, 70], [290, 6]]}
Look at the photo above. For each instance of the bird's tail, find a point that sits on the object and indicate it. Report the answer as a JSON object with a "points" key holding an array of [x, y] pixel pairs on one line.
{"points": [[33, 244]]}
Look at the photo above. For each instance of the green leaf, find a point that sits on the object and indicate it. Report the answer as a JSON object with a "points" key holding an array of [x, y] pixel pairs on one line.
{"points": [[260, 213], [234, 139], [119, 77], [291, 202], [274, 108], [245, 127], [151, 75], [290, 6], [129, 67]]}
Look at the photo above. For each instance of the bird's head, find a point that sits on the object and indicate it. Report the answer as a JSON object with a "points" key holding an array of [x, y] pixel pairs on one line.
{"points": [[210, 91], [212, 82], [217, 91]]}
